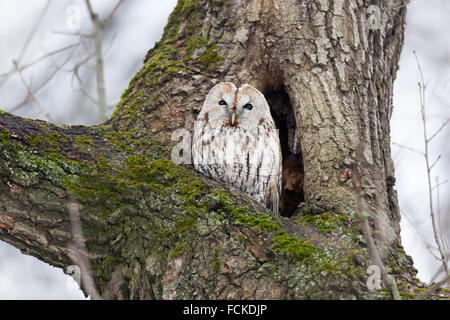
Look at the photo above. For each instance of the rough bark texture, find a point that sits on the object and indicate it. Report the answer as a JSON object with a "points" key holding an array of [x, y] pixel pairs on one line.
{"points": [[156, 230]]}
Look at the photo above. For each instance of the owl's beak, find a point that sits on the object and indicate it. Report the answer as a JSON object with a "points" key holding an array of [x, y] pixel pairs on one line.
{"points": [[233, 118]]}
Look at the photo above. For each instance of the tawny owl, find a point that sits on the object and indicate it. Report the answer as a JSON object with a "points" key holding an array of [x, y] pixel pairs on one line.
{"points": [[236, 142]]}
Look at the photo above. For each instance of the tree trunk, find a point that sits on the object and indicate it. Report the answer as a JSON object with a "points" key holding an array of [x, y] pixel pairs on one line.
{"points": [[157, 230]]}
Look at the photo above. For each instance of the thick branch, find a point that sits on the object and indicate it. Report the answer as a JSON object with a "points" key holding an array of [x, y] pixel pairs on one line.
{"points": [[158, 230], [37, 159]]}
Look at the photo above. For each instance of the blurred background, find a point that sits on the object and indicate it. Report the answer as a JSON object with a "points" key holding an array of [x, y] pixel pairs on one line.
{"points": [[50, 65]]}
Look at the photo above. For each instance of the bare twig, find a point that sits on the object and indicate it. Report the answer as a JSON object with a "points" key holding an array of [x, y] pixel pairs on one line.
{"points": [[45, 56], [27, 42], [433, 288], [100, 73], [82, 88], [33, 31], [76, 75], [75, 34], [439, 184], [419, 234], [435, 161], [28, 97], [365, 228], [99, 68], [98, 53], [31, 95], [408, 148], [439, 130], [79, 253], [422, 88], [438, 212], [111, 14]]}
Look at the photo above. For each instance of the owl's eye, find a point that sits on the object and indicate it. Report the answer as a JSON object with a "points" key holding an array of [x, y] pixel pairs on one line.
{"points": [[248, 106], [222, 103]]}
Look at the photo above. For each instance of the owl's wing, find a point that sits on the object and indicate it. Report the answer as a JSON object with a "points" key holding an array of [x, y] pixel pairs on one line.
{"points": [[201, 145], [207, 150], [273, 192], [196, 149]]}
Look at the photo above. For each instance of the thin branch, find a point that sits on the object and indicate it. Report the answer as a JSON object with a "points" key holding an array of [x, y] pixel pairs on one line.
{"points": [[33, 97], [79, 253], [111, 45], [76, 34], [363, 215], [111, 14], [81, 62], [25, 66], [433, 288], [408, 148], [83, 89], [429, 246], [29, 38], [436, 274], [435, 161], [33, 31], [438, 212], [41, 86], [439, 130], [438, 184], [422, 88], [100, 73], [76, 75]]}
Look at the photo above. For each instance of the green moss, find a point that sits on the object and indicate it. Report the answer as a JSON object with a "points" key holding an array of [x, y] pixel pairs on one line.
{"points": [[123, 141], [263, 222], [210, 58], [179, 249], [109, 191], [114, 137], [52, 139], [329, 260], [216, 264], [33, 140], [108, 264], [4, 137], [403, 294], [297, 249], [180, 49], [325, 222], [161, 177], [144, 193], [183, 9], [83, 140], [26, 165]]}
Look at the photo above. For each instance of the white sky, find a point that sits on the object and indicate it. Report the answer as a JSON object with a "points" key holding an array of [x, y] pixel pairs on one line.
{"points": [[426, 33], [139, 25]]}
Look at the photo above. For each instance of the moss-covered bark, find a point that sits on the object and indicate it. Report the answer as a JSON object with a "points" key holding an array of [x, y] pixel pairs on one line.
{"points": [[156, 230]]}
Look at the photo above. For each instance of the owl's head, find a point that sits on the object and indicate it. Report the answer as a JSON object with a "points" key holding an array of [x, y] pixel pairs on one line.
{"points": [[226, 105]]}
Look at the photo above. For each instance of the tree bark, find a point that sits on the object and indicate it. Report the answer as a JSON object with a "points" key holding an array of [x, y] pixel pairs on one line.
{"points": [[156, 230]]}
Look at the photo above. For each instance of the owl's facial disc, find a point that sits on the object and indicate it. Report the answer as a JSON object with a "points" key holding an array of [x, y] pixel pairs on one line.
{"points": [[226, 105]]}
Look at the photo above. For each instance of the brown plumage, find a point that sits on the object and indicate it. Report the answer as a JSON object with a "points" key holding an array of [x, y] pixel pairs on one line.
{"points": [[236, 142]]}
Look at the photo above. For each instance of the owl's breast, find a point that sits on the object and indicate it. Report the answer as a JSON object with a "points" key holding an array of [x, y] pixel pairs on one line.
{"points": [[237, 156]]}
